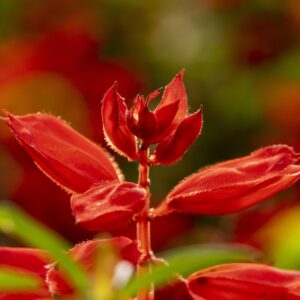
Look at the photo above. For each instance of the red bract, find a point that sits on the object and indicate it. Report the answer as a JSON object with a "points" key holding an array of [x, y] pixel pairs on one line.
{"points": [[235, 184], [25, 261], [86, 255], [173, 148], [168, 125], [115, 127], [67, 157], [174, 92], [108, 205], [243, 281]]}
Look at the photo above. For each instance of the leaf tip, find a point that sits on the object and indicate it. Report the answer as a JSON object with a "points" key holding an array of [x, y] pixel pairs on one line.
{"points": [[180, 74], [7, 115]]}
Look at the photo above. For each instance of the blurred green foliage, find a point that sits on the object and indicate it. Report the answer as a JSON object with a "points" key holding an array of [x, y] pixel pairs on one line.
{"points": [[10, 280], [16, 223], [185, 261]]}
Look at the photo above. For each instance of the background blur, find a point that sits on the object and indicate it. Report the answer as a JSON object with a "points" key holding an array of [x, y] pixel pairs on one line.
{"points": [[242, 63]]}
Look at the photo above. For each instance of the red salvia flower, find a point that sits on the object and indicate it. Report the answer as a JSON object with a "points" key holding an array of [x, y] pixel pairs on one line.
{"points": [[235, 184], [168, 125], [101, 200], [244, 281]]}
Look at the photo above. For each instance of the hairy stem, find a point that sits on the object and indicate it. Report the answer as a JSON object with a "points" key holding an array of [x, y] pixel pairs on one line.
{"points": [[143, 227]]}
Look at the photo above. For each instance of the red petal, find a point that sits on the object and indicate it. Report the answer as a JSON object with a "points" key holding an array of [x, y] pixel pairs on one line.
{"points": [[109, 205], [173, 92], [32, 261], [243, 281], [153, 95], [63, 154], [171, 150], [235, 184], [115, 128], [133, 115], [86, 255], [164, 118]]}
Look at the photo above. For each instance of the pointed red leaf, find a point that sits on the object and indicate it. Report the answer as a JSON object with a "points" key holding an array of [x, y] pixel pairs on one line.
{"points": [[114, 118], [27, 261], [235, 184], [173, 92], [172, 149], [244, 281], [67, 157], [86, 255], [109, 205]]}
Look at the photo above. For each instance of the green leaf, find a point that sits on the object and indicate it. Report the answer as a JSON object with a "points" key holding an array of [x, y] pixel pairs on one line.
{"points": [[185, 261], [106, 260], [10, 280], [16, 223]]}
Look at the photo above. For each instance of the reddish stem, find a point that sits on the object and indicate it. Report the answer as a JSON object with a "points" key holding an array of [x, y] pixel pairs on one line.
{"points": [[143, 226]]}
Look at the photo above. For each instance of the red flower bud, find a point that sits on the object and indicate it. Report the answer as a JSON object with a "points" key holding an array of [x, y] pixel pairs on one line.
{"points": [[168, 125], [235, 184], [114, 118], [67, 157], [86, 255], [152, 127], [245, 281], [108, 205], [173, 148], [141, 121]]}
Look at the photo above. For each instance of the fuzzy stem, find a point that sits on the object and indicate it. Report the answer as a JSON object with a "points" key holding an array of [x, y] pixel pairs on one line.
{"points": [[143, 227]]}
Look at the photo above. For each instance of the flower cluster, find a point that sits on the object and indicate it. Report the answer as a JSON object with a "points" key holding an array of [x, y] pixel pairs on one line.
{"points": [[102, 200], [168, 125]]}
